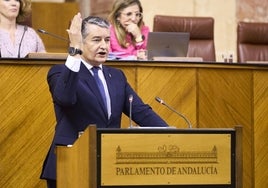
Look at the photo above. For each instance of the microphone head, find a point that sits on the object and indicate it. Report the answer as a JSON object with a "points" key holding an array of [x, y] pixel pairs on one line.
{"points": [[158, 99], [130, 98], [41, 30]]}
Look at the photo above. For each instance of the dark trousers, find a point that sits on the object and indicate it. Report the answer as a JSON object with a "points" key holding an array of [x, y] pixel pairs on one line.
{"points": [[51, 184]]}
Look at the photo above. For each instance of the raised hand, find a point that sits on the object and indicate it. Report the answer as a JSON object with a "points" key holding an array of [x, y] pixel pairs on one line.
{"points": [[74, 32]]}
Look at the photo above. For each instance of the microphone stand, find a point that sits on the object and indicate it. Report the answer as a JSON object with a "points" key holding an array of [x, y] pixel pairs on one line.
{"points": [[25, 29], [53, 35], [172, 109], [130, 98]]}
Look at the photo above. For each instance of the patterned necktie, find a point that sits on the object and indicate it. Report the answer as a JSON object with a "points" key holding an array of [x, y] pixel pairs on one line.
{"points": [[100, 84]]}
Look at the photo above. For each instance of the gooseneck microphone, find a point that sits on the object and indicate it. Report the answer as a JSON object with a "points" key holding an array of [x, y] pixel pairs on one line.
{"points": [[51, 34], [173, 110], [130, 99], [25, 29]]}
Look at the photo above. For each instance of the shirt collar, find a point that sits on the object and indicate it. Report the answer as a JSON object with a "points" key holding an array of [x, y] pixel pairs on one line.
{"points": [[89, 66]]}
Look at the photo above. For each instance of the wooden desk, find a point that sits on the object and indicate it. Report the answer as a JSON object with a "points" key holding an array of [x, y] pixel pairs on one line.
{"points": [[210, 95]]}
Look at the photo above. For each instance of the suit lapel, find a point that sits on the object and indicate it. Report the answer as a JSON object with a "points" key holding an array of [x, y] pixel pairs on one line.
{"points": [[112, 91]]}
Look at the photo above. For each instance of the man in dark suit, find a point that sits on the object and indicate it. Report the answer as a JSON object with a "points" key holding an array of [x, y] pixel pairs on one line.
{"points": [[77, 98]]}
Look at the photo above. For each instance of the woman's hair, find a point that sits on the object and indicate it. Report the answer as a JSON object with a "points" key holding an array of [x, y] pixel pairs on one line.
{"points": [[93, 20], [25, 10], [118, 6]]}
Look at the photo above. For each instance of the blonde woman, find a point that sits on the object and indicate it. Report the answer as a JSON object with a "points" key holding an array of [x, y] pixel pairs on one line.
{"points": [[17, 40], [128, 32]]}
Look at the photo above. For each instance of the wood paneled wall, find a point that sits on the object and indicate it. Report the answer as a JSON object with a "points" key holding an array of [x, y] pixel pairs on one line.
{"points": [[210, 95], [27, 123], [54, 18]]}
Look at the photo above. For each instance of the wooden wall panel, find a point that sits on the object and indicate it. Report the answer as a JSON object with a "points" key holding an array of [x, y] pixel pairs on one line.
{"points": [[260, 129], [54, 18], [27, 124], [225, 100], [176, 86], [228, 92], [101, 7]]}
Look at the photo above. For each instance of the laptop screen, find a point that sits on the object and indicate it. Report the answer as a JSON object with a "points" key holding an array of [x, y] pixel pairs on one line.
{"points": [[167, 44]]}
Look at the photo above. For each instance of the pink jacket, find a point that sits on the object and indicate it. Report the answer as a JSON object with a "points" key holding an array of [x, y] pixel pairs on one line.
{"points": [[132, 49]]}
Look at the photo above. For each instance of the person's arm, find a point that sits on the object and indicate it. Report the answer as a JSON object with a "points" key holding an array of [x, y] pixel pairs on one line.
{"points": [[75, 35], [73, 61], [143, 43], [135, 31], [40, 44], [142, 113], [63, 79]]}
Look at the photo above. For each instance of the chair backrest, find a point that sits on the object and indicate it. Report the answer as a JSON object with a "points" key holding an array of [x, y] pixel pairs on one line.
{"points": [[252, 41], [201, 31]]}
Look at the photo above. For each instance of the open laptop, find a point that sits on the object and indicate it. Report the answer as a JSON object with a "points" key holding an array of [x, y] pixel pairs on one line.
{"points": [[167, 44]]}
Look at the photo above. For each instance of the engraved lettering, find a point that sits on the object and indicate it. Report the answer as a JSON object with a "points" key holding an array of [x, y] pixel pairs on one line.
{"points": [[185, 170]]}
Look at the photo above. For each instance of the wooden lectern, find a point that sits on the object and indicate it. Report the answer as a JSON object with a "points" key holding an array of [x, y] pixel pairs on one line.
{"points": [[152, 157], [76, 164]]}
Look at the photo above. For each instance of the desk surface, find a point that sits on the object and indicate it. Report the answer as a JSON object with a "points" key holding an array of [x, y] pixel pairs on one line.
{"points": [[58, 59]]}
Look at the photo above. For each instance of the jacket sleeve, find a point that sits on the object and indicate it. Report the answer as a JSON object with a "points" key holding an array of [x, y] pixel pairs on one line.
{"points": [[62, 85]]}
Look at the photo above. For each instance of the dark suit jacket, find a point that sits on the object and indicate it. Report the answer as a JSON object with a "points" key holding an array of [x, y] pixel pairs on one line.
{"points": [[77, 104]]}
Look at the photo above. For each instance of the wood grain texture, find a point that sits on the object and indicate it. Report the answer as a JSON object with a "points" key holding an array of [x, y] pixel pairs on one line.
{"points": [[210, 95], [260, 129], [54, 18], [176, 86], [225, 100], [27, 124], [77, 165]]}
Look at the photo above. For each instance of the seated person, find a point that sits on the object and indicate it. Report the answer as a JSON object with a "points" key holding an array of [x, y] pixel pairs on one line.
{"points": [[128, 32], [17, 40]]}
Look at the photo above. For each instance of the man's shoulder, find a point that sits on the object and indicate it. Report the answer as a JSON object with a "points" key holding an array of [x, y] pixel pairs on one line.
{"points": [[57, 67], [107, 67], [113, 70]]}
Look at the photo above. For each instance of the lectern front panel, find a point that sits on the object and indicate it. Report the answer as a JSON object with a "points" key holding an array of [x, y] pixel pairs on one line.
{"points": [[166, 157]]}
